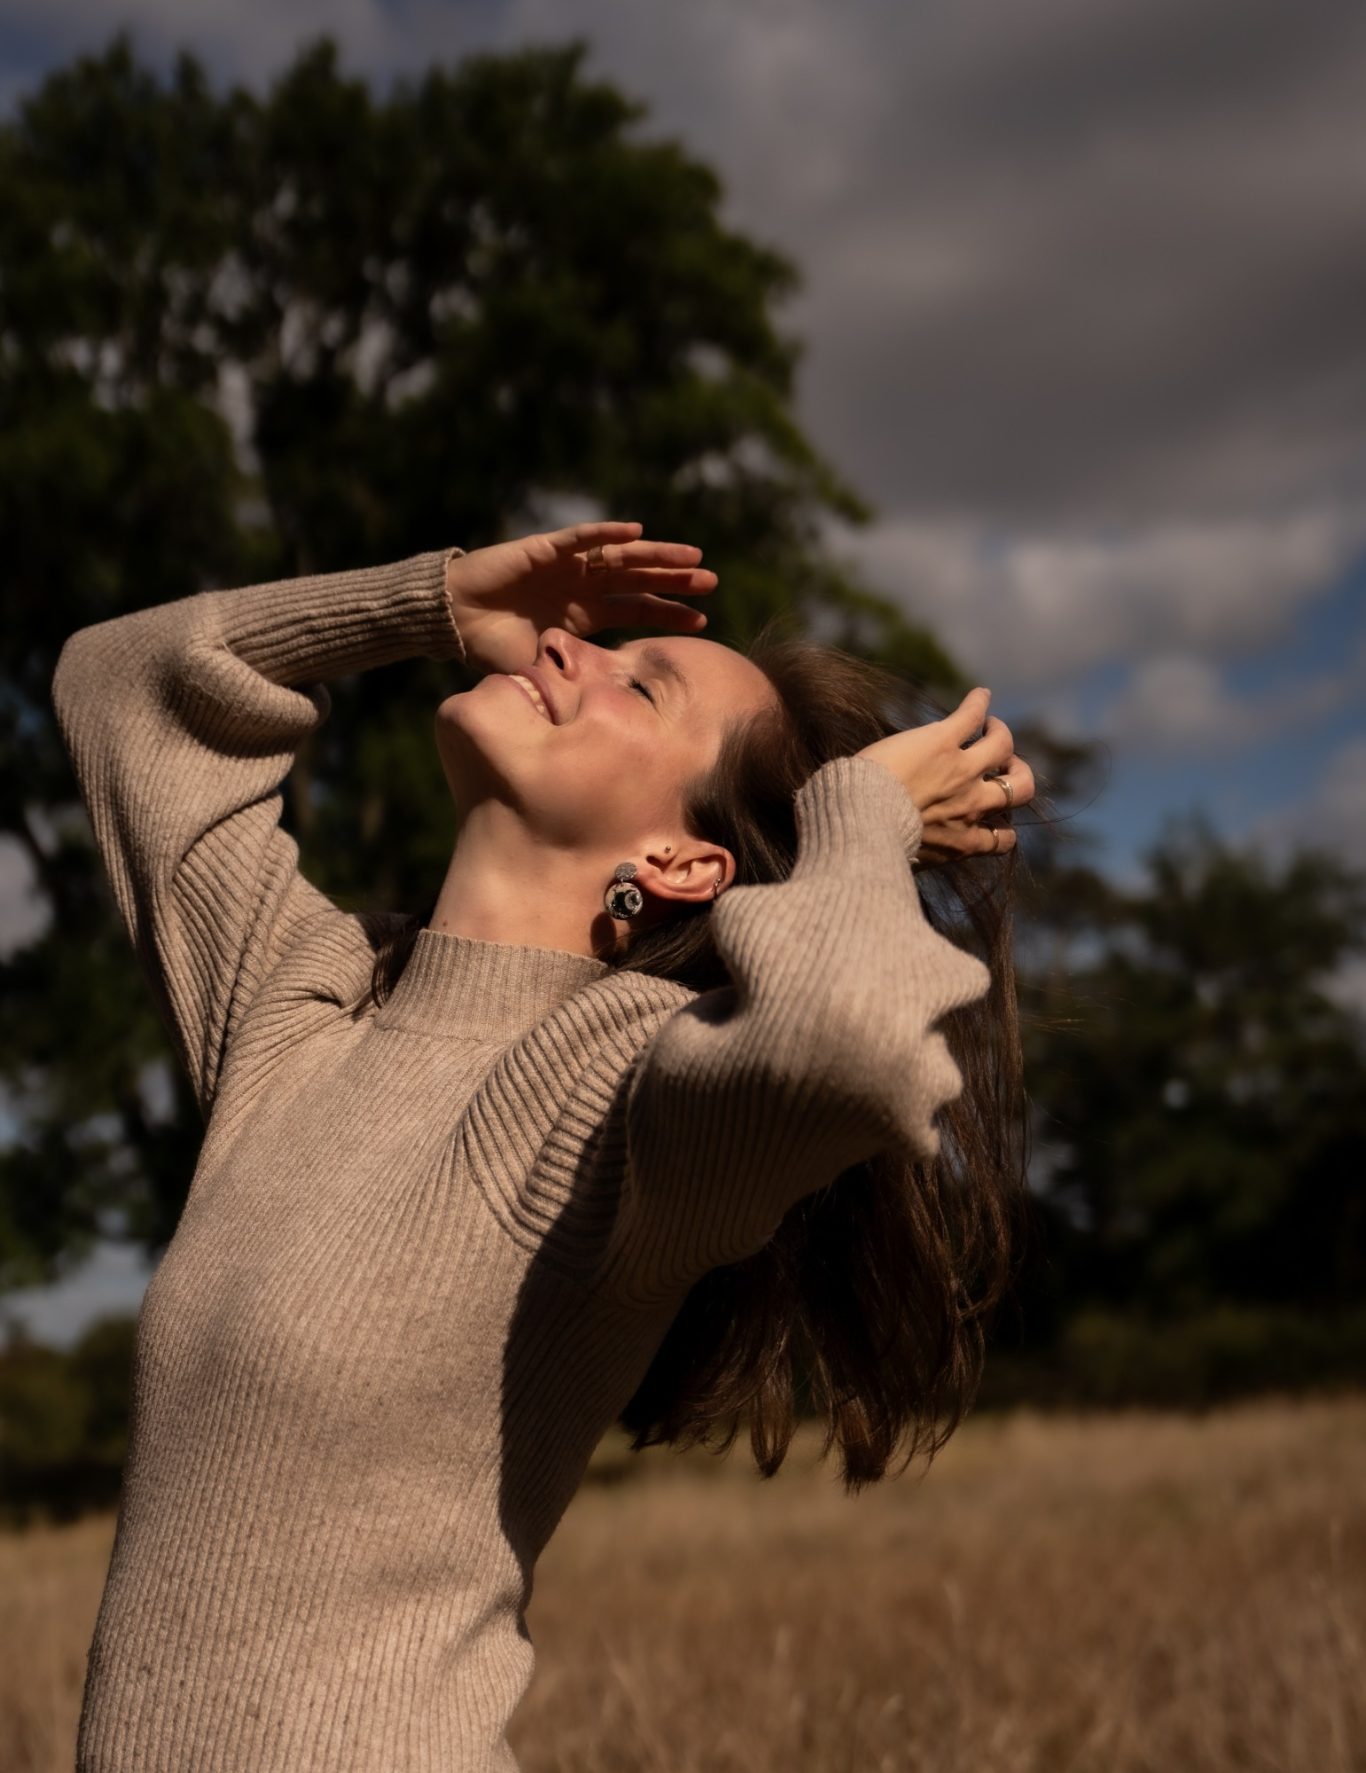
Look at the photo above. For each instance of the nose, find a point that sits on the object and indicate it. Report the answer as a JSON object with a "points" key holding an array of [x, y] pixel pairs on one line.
{"points": [[561, 651]]}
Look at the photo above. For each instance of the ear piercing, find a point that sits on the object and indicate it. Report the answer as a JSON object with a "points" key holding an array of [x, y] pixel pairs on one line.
{"points": [[622, 899]]}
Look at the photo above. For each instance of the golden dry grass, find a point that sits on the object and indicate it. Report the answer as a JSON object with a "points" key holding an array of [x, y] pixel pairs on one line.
{"points": [[1117, 1594]]}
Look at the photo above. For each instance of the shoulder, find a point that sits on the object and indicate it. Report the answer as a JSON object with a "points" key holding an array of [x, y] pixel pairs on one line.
{"points": [[544, 1136], [323, 967], [626, 1005], [570, 1064], [594, 1036]]}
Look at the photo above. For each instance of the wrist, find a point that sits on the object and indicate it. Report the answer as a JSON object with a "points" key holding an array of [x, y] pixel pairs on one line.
{"points": [[453, 558], [855, 807], [463, 617]]}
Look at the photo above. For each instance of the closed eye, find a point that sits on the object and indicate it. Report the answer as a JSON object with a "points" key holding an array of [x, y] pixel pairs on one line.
{"points": [[635, 683]]}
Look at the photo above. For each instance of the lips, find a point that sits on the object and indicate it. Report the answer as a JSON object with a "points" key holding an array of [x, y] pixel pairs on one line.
{"points": [[533, 689]]}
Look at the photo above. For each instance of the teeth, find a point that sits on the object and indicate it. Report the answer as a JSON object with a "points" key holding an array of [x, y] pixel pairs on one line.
{"points": [[532, 691]]}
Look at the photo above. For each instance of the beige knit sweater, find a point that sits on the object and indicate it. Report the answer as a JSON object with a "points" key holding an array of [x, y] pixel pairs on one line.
{"points": [[429, 1251]]}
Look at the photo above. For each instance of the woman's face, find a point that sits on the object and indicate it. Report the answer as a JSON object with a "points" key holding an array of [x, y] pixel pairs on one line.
{"points": [[601, 761]]}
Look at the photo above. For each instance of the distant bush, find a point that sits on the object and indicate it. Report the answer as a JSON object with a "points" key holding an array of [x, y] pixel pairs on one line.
{"points": [[1104, 1360], [64, 1413], [64, 1423]]}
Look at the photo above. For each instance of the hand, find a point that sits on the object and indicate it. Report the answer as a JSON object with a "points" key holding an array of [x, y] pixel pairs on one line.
{"points": [[504, 596], [943, 768]]}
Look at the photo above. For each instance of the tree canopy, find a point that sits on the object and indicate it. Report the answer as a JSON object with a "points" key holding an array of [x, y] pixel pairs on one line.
{"points": [[244, 337], [1202, 1124]]}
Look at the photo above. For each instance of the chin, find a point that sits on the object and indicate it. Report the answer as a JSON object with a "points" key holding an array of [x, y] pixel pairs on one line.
{"points": [[478, 753], [465, 717], [461, 736]]}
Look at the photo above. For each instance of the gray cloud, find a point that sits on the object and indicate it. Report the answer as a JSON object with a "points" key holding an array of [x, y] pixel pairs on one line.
{"points": [[1067, 263], [1036, 608], [1084, 296], [1181, 706]]}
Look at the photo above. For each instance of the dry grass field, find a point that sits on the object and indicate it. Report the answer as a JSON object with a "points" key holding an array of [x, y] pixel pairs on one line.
{"points": [[1117, 1594]]}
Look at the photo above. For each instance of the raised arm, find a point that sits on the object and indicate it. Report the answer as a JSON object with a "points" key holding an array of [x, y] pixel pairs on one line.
{"points": [[181, 722], [823, 1050]]}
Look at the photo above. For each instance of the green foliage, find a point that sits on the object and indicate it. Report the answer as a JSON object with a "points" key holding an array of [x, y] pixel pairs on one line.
{"points": [[1201, 1090], [1110, 1360], [64, 1422], [440, 315]]}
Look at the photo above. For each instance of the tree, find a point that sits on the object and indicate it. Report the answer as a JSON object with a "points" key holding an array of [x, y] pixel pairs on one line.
{"points": [[1203, 1108], [64, 1422], [246, 337]]}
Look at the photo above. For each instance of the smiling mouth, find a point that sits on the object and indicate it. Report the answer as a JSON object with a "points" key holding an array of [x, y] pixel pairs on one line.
{"points": [[531, 692]]}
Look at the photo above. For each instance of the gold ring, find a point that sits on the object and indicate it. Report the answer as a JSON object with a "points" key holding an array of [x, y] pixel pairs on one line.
{"points": [[594, 560], [1004, 782], [995, 839]]}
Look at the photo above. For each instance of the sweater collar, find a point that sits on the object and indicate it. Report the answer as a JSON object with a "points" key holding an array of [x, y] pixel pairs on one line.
{"points": [[459, 985]]}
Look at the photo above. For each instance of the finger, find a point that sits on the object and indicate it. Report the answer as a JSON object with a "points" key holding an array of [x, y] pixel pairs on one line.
{"points": [[957, 838], [647, 610], [590, 535], [644, 553], [968, 716], [995, 747], [1021, 780], [991, 840], [990, 795], [675, 579]]}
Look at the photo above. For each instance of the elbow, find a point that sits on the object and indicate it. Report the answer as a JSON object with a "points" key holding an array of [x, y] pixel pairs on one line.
{"points": [[84, 682], [67, 675]]}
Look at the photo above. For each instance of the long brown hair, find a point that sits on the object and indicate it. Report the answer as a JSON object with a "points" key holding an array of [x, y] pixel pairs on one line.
{"points": [[868, 1306]]}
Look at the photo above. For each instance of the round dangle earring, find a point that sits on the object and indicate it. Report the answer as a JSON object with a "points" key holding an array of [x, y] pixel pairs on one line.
{"points": [[622, 899]]}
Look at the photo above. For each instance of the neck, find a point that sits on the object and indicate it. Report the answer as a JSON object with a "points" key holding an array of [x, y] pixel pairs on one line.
{"points": [[504, 886]]}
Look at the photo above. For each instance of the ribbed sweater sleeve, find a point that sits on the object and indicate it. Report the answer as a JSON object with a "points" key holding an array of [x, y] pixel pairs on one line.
{"points": [[822, 1051], [181, 722]]}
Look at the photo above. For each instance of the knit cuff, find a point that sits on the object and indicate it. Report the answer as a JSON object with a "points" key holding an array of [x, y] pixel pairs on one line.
{"points": [[853, 815], [327, 625]]}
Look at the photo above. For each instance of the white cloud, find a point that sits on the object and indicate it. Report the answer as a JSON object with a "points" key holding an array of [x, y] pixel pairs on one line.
{"points": [[1034, 610], [1181, 705]]}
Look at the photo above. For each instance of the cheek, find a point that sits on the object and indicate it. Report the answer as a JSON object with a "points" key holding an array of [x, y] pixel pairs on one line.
{"points": [[612, 786]]}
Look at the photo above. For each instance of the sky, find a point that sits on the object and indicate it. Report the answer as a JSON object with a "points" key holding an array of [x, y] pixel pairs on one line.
{"points": [[1084, 287]]}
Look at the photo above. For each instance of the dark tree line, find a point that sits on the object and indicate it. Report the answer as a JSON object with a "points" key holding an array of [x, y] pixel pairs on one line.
{"points": [[1198, 1067]]}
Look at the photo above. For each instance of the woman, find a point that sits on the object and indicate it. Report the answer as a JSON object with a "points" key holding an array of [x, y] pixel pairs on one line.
{"points": [[474, 1186]]}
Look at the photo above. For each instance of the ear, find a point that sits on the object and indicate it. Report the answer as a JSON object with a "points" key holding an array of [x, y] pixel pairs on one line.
{"points": [[688, 873]]}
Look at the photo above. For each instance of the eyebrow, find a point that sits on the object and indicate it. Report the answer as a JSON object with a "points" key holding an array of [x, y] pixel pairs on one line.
{"points": [[658, 660]]}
